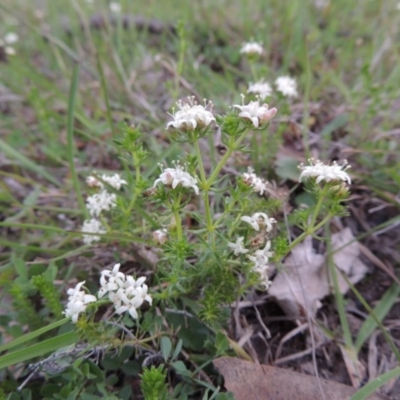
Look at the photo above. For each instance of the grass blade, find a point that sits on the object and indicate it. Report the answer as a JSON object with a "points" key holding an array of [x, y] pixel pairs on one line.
{"points": [[38, 349], [373, 386], [27, 163], [70, 135], [380, 311], [32, 335]]}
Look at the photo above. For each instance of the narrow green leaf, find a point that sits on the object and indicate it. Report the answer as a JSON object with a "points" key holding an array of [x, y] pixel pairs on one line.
{"points": [[380, 311], [32, 335], [70, 134], [27, 163], [177, 350], [38, 349], [373, 386], [166, 347]]}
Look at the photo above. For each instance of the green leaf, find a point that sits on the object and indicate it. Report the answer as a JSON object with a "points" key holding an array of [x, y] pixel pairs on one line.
{"points": [[180, 368], [166, 347], [177, 350], [380, 311], [32, 335], [27, 163], [20, 268], [221, 343], [70, 134], [38, 349], [373, 386], [287, 168]]}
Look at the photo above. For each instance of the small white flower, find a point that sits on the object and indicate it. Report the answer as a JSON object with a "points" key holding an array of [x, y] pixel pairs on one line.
{"points": [[160, 236], [111, 280], [132, 297], [322, 172], [11, 38], [92, 226], [254, 112], [321, 4], [131, 282], [191, 116], [77, 302], [177, 176], [114, 181], [287, 86], [141, 295], [251, 179], [93, 182], [10, 51], [259, 220], [263, 89], [115, 7], [102, 201], [238, 247], [128, 306], [251, 49], [262, 256]]}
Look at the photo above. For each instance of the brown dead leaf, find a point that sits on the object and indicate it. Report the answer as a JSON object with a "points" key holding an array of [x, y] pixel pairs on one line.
{"points": [[304, 280], [248, 381], [302, 270]]}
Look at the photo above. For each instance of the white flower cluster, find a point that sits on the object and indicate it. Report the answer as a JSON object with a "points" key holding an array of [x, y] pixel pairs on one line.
{"points": [[99, 202], [284, 84], [177, 176], [125, 292], [8, 40], [251, 179], [262, 89], [115, 7], [77, 302], [259, 220], [191, 115], [238, 246], [114, 181], [257, 114], [330, 172], [260, 258], [287, 86], [102, 201], [251, 49], [92, 225]]}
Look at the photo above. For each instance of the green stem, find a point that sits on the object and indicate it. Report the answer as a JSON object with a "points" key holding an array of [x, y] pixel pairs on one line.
{"points": [[312, 227], [317, 208], [226, 212], [206, 188], [137, 191], [178, 221], [224, 159], [70, 135], [105, 94]]}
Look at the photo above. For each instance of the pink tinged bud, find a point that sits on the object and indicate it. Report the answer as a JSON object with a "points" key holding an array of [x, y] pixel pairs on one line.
{"points": [[160, 236], [267, 115]]}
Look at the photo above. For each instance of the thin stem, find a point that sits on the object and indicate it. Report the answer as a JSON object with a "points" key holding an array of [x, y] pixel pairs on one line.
{"points": [[105, 94], [137, 191], [224, 159], [178, 220], [70, 135], [206, 187]]}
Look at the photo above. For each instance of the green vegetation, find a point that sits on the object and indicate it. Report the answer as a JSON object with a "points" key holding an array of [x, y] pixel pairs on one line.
{"points": [[87, 90]]}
